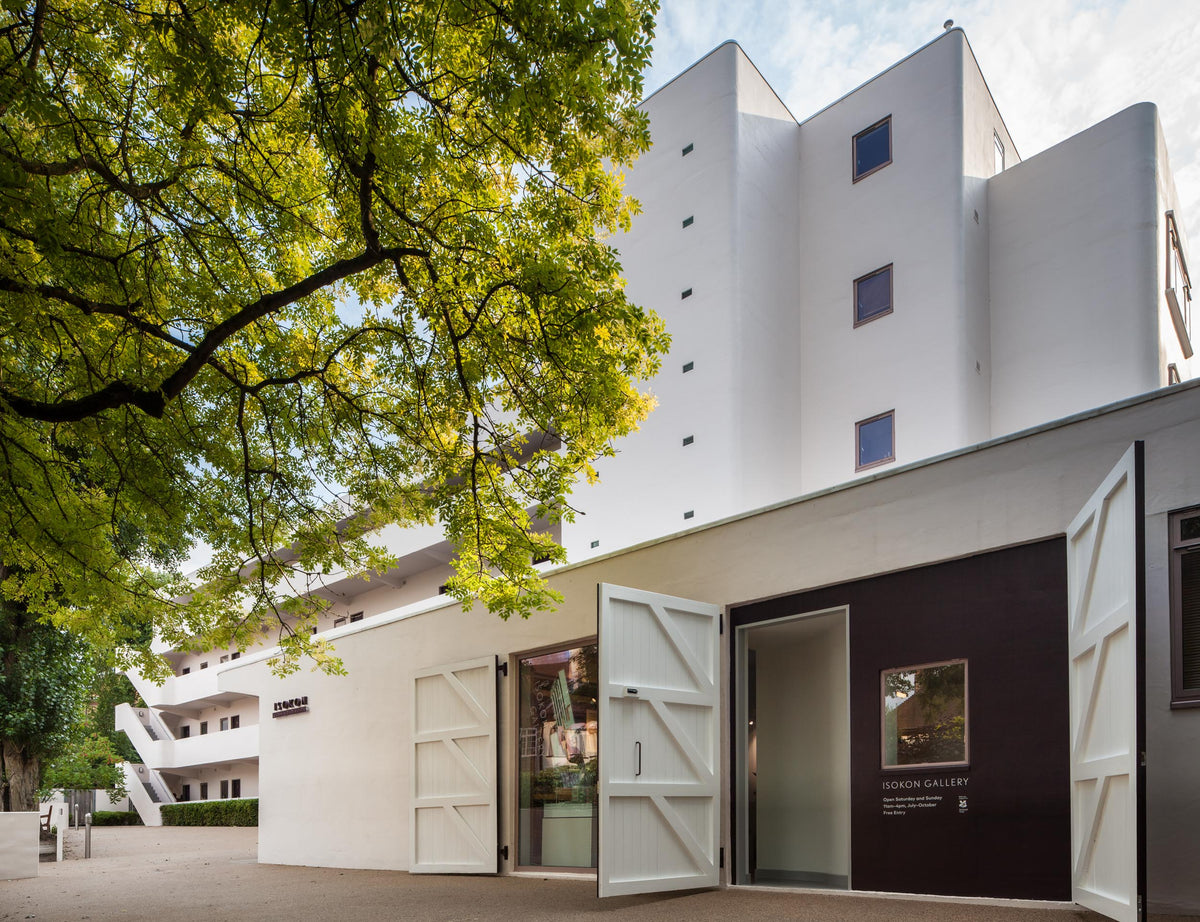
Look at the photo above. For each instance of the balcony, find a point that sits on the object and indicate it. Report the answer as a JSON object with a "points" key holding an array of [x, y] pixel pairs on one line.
{"points": [[185, 694], [165, 753]]}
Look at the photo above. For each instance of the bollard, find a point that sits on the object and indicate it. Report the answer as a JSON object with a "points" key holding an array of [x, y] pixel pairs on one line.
{"points": [[87, 836]]}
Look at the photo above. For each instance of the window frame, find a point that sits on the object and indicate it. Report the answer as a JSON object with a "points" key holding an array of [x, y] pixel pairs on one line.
{"points": [[855, 176], [185, 731], [224, 789], [514, 666], [890, 270], [204, 728], [235, 722], [858, 441], [204, 790], [185, 793], [224, 724], [1178, 548], [926, 766], [235, 788]]}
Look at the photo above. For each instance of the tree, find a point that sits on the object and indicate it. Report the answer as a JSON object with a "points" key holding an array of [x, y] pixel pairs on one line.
{"points": [[87, 764], [45, 673], [274, 273]]}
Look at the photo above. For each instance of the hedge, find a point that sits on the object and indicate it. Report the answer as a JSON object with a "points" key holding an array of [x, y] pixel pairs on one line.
{"points": [[116, 818], [242, 812]]}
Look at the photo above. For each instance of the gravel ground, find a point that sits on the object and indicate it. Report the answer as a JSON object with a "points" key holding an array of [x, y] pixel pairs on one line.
{"points": [[210, 875]]}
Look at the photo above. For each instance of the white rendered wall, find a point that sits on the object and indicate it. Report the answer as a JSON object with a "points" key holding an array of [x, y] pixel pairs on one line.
{"points": [[645, 490], [1074, 274], [909, 214], [1170, 348], [1025, 489], [765, 350], [981, 124], [19, 845]]}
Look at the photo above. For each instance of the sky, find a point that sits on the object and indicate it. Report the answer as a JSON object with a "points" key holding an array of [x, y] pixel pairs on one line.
{"points": [[1055, 67]]}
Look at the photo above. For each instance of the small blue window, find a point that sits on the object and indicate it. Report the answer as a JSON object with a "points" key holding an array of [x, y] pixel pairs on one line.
{"points": [[876, 442], [873, 148], [873, 295]]}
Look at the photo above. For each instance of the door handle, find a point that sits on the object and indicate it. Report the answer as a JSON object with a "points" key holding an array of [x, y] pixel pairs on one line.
{"points": [[638, 748]]}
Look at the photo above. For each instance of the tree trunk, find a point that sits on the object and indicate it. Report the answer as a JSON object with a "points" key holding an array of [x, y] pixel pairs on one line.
{"points": [[19, 775]]}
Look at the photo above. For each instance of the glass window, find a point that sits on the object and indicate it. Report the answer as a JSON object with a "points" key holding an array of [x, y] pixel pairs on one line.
{"points": [[235, 721], [185, 731], [204, 665], [185, 670], [338, 622], [204, 790], [224, 723], [203, 727], [876, 442], [237, 787], [873, 295], [1185, 608], [998, 145], [224, 789], [873, 148], [558, 753], [356, 617], [925, 715], [185, 793]]}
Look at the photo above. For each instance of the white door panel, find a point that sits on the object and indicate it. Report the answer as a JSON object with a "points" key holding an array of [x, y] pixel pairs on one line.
{"points": [[659, 742], [1104, 563], [452, 828]]}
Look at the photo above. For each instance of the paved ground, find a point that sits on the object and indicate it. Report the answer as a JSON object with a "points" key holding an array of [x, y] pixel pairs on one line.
{"points": [[180, 874]]}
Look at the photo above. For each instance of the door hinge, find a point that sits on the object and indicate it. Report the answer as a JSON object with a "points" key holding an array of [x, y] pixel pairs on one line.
{"points": [[1143, 756], [722, 859], [502, 668], [504, 852]]}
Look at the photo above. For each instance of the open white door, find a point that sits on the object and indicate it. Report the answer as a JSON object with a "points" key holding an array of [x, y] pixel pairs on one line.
{"points": [[659, 742], [452, 827], [1105, 590]]}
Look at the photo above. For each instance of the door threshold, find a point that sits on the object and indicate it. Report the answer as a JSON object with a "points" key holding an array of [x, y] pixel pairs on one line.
{"points": [[557, 875], [914, 897]]}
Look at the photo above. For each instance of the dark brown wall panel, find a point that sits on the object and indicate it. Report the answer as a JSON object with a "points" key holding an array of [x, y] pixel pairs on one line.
{"points": [[1000, 826]]}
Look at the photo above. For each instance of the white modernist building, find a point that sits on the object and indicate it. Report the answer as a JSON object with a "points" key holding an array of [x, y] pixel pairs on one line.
{"points": [[883, 311]]}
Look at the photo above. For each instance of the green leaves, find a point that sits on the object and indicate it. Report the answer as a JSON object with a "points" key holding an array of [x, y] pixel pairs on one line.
{"points": [[266, 266]]}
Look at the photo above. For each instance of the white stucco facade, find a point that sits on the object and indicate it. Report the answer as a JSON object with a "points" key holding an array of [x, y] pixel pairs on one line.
{"points": [[1019, 298]]}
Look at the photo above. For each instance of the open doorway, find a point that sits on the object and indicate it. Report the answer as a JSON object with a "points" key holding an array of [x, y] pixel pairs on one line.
{"points": [[793, 751]]}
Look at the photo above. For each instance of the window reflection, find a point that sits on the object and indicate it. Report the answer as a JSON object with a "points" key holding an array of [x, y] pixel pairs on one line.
{"points": [[558, 752], [925, 715]]}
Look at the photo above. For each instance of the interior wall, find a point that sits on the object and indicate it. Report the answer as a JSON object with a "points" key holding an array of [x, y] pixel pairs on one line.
{"points": [[802, 724]]}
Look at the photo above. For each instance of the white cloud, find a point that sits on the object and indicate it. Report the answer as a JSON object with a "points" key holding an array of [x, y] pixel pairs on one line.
{"points": [[1054, 66]]}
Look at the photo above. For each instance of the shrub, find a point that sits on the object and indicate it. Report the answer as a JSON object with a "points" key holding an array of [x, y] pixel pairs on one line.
{"points": [[242, 812], [116, 818]]}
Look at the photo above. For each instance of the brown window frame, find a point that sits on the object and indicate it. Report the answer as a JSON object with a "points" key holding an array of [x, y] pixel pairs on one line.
{"points": [[235, 787], [856, 177], [204, 790], [926, 766], [889, 269], [1181, 696], [224, 789], [858, 441], [235, 722]]}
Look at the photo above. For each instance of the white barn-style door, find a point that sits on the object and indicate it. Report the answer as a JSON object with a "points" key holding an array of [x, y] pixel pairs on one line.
{"points": [[1105, 590], [452, 824], [659, 742]]}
